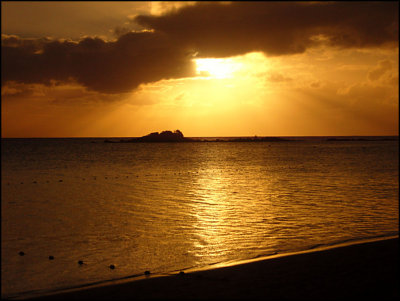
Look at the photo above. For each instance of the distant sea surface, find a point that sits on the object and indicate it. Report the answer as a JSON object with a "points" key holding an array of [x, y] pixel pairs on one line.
{"points": [[165, 207]]}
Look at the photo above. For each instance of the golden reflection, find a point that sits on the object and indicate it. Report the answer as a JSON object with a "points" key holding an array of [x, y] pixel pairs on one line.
{"points": [[211, 211], [228, 222]]}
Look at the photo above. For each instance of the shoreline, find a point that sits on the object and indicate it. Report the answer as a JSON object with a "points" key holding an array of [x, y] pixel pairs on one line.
{"points": [[367, 270]]}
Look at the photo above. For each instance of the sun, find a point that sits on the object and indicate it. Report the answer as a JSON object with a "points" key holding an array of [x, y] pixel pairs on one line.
{"points": [[216, 68]]}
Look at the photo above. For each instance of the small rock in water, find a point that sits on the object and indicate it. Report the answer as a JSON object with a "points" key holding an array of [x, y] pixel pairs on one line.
{"points": [[51, 257], [112, 266], [21, 253], [60, 180], [80, 262], [147, 272]]}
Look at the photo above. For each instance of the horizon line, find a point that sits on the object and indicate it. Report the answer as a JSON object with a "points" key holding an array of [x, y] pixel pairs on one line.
{"points": [[117, 137]]}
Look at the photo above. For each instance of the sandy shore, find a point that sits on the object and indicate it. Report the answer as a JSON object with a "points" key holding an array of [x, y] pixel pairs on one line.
{"points": [[367, 271]]}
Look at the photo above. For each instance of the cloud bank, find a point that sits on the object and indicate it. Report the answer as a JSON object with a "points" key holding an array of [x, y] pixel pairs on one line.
{"points": [[108, 67], [277, 28], [165, 49]]}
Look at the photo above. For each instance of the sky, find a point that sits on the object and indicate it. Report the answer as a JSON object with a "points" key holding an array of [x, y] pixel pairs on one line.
{"points": [[209, 69]]}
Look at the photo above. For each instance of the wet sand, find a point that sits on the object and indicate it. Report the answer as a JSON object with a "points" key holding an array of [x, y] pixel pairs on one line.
{"points": [[367, 271]]}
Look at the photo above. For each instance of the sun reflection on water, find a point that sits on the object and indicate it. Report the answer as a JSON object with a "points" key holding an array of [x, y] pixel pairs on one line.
{"points": [[227, 221]]}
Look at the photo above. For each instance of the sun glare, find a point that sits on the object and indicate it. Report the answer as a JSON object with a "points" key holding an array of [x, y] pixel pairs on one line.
{"points": [[216, 68]]}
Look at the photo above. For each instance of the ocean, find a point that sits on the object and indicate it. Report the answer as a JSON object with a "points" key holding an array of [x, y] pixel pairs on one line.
{"points": [[168, 207]]}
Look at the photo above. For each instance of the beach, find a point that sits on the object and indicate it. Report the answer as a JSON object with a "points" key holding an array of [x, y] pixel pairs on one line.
{"points": [[364, 271]]}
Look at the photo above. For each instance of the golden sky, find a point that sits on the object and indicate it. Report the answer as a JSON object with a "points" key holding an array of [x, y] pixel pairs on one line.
{"points": [[125, 69]]}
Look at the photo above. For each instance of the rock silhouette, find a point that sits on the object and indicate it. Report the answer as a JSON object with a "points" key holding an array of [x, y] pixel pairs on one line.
{"points": [[177, 136], [165, 136]]}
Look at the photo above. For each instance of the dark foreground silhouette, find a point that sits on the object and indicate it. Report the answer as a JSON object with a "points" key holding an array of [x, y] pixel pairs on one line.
{"points": [[177, 136], [367, 271]]}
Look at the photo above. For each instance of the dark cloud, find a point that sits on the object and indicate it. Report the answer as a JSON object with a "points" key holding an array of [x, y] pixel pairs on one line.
{"points": [[121, 30], [109, 67], [211, 29], [277, 28]]}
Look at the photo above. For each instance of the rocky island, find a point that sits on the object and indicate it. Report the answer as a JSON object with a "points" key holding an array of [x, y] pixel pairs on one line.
{"points": [[165, 136], [177, 136]]}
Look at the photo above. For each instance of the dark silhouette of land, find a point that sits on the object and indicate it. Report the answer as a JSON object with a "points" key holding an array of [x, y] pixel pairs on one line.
{"points": [[165, 136], [365, 271], [177, 136], [364, 139]]}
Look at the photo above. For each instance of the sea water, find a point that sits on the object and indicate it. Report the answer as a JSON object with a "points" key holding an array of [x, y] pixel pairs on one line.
{"points": [[166, 207]]}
